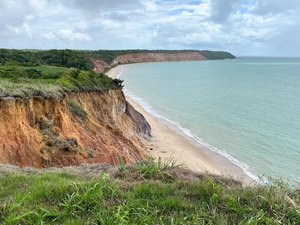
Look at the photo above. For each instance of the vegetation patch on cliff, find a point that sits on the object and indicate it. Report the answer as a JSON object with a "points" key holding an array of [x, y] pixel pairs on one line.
{"points": [[49, 81], [53, 141], [147, 193], [76, 109], [61, 58], [50, 73], [215, 55]]}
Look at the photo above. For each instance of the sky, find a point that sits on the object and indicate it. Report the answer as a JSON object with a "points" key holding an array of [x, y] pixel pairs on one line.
{"points": [[242, 27]]}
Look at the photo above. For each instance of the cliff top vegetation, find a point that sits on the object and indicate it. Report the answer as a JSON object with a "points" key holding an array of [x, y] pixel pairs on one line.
{"points": [[82, 59], [146, 193], [51, 73], [25, 80]]}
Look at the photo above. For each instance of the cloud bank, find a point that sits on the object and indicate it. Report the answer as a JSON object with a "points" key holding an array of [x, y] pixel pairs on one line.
{"points": [[244, 27]]}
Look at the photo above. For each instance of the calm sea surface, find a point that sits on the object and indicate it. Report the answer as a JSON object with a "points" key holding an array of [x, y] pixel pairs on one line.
{"points": [[247, 109]]}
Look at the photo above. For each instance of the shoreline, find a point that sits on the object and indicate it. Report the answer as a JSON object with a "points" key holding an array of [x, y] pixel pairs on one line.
{"points": [[169, 142]]}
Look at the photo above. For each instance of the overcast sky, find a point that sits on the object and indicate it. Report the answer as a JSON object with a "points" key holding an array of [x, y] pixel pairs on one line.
{"points": [[243, 27]]}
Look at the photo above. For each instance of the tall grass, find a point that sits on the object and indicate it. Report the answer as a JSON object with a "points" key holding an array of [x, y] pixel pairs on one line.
{"points": [[142, 194], [28, 88]]}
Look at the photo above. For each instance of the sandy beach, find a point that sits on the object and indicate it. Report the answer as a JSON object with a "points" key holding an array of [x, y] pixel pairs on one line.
{"points": [[169, 142]]}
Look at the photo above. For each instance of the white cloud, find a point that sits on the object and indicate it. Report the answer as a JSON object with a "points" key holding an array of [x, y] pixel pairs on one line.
{"points": [[222, 9], [38, 5], [50, 36], [243, 27], [68, 35]]}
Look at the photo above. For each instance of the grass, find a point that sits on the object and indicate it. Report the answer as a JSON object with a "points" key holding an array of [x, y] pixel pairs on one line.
{"points": [[146, 193], [34, 71], [50, 81], [28, 88], [46, 69]]}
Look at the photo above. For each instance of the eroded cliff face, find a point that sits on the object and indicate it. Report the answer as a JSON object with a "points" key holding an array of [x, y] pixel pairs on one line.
{"points": [[158, 57], [42, 132], [101, 66]]}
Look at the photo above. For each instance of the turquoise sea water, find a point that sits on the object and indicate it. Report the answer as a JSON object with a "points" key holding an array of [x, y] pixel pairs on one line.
{"points": [[247, 109]]}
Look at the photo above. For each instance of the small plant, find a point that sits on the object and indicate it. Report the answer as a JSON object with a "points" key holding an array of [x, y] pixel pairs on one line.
{"points": [[117, 83], [122, 166], [149, 168], [76, 109], [170, 163], [159, 169]]}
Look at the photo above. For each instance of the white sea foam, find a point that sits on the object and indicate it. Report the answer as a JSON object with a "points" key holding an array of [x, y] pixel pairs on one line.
{"points": [[186, 132], [120, 71]]}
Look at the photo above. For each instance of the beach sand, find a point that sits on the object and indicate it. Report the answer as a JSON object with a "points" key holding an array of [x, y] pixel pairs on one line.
{"points": [[169, 142]]}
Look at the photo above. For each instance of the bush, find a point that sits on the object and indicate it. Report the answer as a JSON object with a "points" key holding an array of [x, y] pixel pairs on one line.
{"points": [[66, 79], [33, 73], [76, 109]]}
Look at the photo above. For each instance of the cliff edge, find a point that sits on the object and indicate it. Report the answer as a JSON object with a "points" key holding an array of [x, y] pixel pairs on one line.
{"points": [[86, 127], [101, 64], [56, 111]]}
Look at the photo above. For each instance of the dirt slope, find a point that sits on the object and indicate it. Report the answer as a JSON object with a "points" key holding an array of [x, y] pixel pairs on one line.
{"points": [[100, 65], [100, 127]]}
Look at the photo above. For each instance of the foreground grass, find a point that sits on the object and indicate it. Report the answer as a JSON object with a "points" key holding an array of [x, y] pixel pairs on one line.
{"points": [[147, 193]]}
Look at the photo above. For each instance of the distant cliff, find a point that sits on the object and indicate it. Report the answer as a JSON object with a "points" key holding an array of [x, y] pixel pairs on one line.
{"points": [[101, 66], [102, 59], [157, 56]]}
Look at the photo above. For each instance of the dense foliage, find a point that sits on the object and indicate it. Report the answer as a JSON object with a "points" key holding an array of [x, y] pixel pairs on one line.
{"points": [[62, 58], [217, 55], [82, 59], [48, 81], [50, 73], [147, 193]]}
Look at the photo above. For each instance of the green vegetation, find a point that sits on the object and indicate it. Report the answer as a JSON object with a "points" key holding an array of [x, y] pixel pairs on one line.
{"points": [[147, 193], [61, 58], [213, 55], [34, 72], [50, 81], [76, 109], [51, 73], [82, 59], [27, 88]]}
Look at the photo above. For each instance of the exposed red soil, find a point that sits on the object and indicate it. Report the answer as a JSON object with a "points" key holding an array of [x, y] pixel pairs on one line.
{"points": [[43, 132]]}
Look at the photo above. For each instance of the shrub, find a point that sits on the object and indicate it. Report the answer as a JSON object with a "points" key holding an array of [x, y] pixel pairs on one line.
{"points": [[76, 109], [33, 73]]}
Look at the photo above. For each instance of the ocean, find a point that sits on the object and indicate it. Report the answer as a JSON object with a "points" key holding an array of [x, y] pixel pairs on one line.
{"points": [[247, 109]]}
